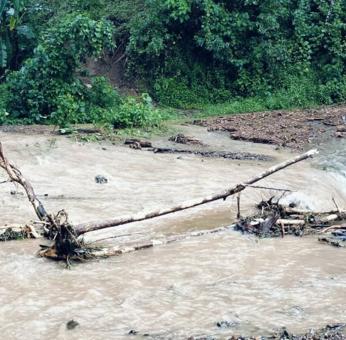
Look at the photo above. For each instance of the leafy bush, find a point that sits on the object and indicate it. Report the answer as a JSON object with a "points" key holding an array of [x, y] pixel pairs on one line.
{"points": [[332, 92], [180, 93], [175, 92], [133, 113], [47, 83], [102, 94]]}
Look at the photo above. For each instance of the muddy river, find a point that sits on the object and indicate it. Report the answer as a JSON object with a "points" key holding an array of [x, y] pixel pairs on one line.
{"points": [[178, 290]]}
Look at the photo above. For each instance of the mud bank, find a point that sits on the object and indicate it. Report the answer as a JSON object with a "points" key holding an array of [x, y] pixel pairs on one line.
{"points": [[293, 129]]}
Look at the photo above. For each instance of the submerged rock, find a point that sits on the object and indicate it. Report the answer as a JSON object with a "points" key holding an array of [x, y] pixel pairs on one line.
{"points": [[227, 324]]}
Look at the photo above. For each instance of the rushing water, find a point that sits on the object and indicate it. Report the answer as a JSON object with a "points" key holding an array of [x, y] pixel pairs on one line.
{"points": [[333, 159], [178, 290]]}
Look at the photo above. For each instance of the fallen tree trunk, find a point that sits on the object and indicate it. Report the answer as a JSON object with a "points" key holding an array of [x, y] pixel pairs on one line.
{"points": [[290, 222], [135, 246], [93, 226], [16, 176], [333, 227]]}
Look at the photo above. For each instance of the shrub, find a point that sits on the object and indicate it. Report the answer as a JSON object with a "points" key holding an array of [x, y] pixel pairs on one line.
{"points": [[185, 94], [332, 92], [47, 83], [102, 94], [136, 113]]}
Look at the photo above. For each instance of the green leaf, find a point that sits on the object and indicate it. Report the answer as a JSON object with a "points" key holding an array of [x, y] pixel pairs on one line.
{"points": [[3, 54], [2, 7], [13, 22], [17, 5]]}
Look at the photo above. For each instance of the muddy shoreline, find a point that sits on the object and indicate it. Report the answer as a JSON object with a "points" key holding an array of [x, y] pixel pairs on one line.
{"points": [[293, 129]]}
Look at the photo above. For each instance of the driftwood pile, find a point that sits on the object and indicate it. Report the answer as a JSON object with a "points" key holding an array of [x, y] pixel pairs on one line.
{"points": [[66, 240], [275, 220]]}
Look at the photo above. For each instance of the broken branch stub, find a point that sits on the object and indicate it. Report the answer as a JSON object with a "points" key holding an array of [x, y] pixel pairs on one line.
{"points": [[93, 226]]}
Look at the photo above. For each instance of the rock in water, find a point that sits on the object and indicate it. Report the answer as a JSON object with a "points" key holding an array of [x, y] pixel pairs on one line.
{"points": [[72, 324], [227, 324], [101, 179]]}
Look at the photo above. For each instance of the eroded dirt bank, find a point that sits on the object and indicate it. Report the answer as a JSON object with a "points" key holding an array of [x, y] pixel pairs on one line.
{"points": [[174, 291]]}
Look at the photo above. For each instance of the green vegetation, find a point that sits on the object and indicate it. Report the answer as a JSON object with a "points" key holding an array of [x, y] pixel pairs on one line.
{"points": [[47, 85], [16, 38], [217, 56]]}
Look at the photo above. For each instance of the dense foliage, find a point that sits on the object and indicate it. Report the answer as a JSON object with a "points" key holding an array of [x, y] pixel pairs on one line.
{"points": [[47, 83], [242, 47], [185, 53], [17, 39]]}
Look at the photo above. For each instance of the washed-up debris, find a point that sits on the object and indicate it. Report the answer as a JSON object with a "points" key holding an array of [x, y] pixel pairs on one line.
{"points": [[276, 220], [18, 233], [10, 235], [99, 179], [330, 332], [182, 139], [217, 154], [336, 238], [135, 143]]}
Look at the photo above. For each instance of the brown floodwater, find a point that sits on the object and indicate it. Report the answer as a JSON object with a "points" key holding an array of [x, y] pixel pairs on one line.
{"points": [[177, 290]]}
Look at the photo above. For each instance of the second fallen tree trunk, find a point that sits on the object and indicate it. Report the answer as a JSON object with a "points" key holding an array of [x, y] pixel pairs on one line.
{"points": [[93, 226]]}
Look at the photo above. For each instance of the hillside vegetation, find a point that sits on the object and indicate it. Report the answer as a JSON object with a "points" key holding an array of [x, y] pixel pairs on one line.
{"points": [[245, 55]]}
